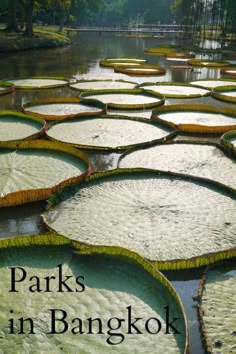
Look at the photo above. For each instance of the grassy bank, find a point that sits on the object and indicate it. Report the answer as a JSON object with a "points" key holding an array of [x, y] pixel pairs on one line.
{"points": [[43, 38]]}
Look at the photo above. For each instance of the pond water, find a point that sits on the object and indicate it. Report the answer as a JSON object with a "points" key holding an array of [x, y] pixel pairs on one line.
{"points": [[81, 61]]}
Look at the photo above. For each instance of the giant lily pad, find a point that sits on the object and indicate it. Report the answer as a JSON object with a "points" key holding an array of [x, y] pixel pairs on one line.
{"points": [[208, 63], [225, 93], [126, 99], [229, 140], [111, 62], [110, 290], [143, 70], [213, 83], [102, 84], [6, 87], [16, 126], [39, 82], [160, 50], [196, 118], [175, 90], [203, 160], [107, 133], [179, 56], [229, 71], [174, 221], [217, 310], [66, 107], [32, 170]]}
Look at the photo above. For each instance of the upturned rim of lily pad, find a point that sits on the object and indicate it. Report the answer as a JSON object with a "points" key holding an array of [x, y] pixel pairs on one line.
{"points": [[54, 239], [8, 88], [219, 91], [60, 100], [38, 194], [25, 117], [173, 264], [136, 91], [195, 128], [130, 70], [169, 95], [225, 141], [169, 135], [20, 87]]}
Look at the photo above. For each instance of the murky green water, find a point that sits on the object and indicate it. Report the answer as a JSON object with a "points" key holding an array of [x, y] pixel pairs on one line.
{"points": [[81, 61]]}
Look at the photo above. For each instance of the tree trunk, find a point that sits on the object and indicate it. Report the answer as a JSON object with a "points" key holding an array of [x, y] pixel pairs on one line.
{"points": [[12, 20], [28, 7]]}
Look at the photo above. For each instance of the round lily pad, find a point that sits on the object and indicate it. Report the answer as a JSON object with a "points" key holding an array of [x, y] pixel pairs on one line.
{"points": [[143, 70], [229, 140], [39, 82], [229, 71], [111, 62], [202, 160], [6, 87], [107, 133], [213, 83], [208, 63], [217, 309], [225, 93], [175, 221], [179, 56], [126, 99], [175, 90], [101, 297], [196, 118], [102, 84], [33, 170], [160, 50], [66, 107], [17, 126]]}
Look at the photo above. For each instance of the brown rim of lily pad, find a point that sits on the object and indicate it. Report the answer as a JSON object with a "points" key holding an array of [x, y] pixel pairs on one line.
{"points": [[31, 195], [102, 108], [226, 141], [170, 134], [229, 71], [220, 93], [195, 128], [137, 91], [62, 82], [209, 63], [27, 118], [6, 87], [60, 245], [111, 62], [72, 85], [141, 70], [170, 95]]}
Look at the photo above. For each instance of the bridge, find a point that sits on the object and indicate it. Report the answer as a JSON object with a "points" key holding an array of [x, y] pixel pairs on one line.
{"points": [[152, 29]]}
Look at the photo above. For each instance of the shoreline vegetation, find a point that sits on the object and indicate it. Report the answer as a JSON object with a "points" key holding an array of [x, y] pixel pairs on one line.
{"points": [[43, 38]]}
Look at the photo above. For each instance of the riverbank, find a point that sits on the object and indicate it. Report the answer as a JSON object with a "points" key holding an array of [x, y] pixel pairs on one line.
{"points": [[43, 38]]}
